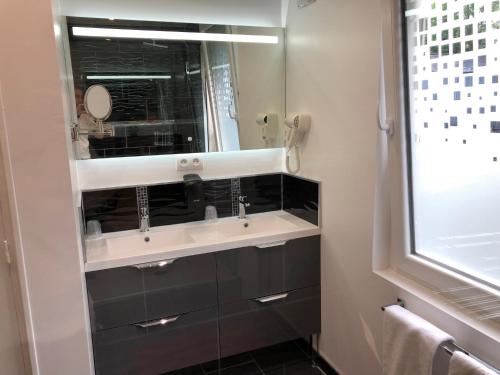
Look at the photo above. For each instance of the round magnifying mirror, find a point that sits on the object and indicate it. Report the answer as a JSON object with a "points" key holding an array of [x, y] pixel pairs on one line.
{"points": [[97, 102]]}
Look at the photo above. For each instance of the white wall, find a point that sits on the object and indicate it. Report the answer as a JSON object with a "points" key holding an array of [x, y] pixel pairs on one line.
{"points": [[35, 140], [233, 12], [261, 86], [332, 73]]}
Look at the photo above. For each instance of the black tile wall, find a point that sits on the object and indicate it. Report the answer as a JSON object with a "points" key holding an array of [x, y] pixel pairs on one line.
{"points": [[115, 209], [174, 203], [263, 192], [301, 198]]}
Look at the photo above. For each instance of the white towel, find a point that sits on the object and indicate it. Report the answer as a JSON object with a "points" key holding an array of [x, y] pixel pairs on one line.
{"points": [[409, 343], [462, 364]]}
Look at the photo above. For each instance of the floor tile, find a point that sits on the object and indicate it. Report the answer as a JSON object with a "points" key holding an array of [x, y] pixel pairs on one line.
{"points": [[301, 368], [249, 368], [290, 358], [234, 360], [195, 370], [325, 366], [303, 345], [278, 355]]}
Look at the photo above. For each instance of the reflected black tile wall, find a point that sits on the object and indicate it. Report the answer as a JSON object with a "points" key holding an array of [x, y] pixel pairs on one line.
{"points": [[301, 198], [263, 192], [147, 139], [115, 209], [177, 99]]}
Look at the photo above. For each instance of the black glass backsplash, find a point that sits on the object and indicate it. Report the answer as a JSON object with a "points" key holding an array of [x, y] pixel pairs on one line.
{"points": [[176, 203], [115, 209], [301, 198], [218, 193], [262, 192]]}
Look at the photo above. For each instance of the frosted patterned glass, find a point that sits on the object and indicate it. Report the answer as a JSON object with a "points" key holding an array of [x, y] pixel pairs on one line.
{"points": [[453, 52]]}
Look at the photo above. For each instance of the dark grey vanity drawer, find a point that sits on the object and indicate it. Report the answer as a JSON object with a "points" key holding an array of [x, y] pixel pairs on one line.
{"points": [[189, 340], [145, 292], [254, 272], [250, 324], [116, 297]]}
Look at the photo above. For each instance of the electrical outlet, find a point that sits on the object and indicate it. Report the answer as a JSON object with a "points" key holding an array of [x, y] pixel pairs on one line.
{"points": [[189, 163]]}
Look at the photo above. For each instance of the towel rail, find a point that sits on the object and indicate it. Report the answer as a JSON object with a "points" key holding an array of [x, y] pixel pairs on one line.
{"points": [[449, 347]]}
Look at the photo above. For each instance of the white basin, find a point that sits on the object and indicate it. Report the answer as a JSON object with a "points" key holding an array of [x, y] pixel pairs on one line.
{"points": [[149, 241], [206, 233], [181, 240], [254, 225]]}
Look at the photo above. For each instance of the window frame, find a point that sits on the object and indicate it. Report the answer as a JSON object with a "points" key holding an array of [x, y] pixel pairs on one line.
{"points": [[402, 255]]}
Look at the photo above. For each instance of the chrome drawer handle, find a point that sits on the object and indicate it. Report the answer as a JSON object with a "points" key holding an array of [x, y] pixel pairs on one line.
{"points": [[161, 263], [160, 322], [276, 297], [272, 244]]}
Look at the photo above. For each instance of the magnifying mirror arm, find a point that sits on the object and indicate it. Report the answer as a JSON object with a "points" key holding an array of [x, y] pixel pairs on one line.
{"points": [[100, 131]]}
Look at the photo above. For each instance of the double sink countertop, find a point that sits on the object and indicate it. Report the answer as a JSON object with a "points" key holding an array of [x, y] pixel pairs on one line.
{"points": [[127, 248]]}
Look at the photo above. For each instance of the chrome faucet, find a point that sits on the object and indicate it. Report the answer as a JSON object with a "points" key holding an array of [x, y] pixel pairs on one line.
{"points": [[144, 220], [242, 205]]}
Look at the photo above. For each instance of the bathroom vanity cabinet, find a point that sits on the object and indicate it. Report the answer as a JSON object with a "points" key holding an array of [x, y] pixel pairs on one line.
{"points": [[157, 317], [268, 295]]}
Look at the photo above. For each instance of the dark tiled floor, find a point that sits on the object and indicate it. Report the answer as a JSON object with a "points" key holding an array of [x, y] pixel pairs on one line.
{"points": [[290, 358]]}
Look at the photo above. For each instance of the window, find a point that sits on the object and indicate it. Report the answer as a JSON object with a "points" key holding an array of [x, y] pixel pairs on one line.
{"points": [[453, 135]]}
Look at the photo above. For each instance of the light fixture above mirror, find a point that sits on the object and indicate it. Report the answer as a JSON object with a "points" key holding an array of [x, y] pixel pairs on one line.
{"points": [[100, 32]]}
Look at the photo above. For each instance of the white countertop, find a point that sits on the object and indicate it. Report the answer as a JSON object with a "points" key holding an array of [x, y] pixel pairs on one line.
{"points": [[204, 237]]}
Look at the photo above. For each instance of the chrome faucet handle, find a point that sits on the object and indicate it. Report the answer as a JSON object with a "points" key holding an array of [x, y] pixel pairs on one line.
{"points": [[241, 199]]}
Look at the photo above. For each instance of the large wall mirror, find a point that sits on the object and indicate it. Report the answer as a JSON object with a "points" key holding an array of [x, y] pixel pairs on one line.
{"points": [[176, 88]]}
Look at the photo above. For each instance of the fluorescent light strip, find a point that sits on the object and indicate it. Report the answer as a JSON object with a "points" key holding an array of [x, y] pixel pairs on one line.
{"points": [[172, 35], [128, 77]]}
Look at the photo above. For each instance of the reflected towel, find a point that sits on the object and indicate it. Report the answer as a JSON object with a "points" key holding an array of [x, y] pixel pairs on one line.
{"points": [[409, 343], [462, 364]]}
